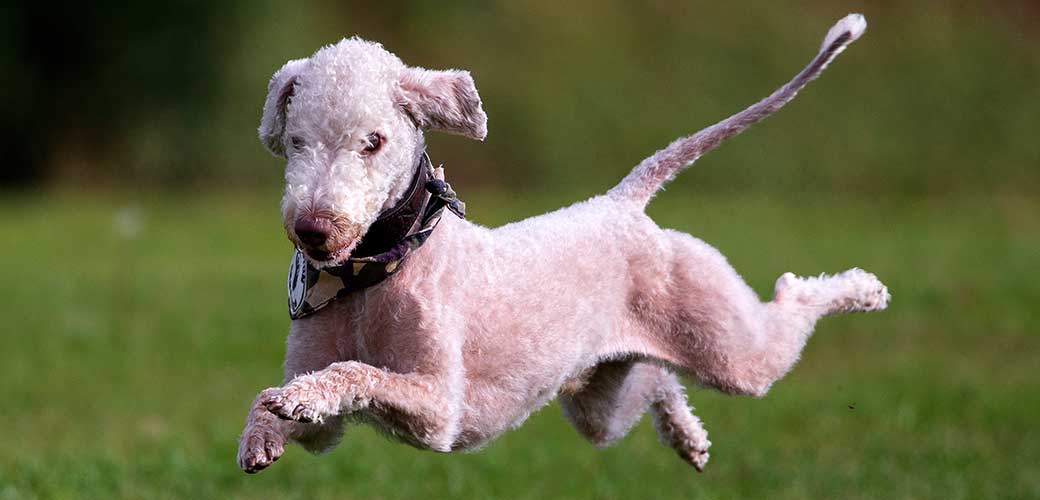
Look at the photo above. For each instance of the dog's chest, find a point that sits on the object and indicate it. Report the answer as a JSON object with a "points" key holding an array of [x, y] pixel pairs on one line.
{"points": [[388, 332]]}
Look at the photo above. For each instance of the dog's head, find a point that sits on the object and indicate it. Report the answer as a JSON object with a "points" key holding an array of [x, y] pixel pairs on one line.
{"points": [[350, 122]]}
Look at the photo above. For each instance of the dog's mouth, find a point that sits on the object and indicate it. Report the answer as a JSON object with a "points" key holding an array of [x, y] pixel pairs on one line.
{"points": [[318, 255], [324, 244], [322, 258]]}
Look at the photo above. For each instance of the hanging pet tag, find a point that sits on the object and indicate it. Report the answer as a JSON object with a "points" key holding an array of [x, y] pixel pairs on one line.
{"points": [[297, 282]]}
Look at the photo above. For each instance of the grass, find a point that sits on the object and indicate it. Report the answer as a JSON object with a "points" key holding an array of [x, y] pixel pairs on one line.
{"points": [[137, 330]]}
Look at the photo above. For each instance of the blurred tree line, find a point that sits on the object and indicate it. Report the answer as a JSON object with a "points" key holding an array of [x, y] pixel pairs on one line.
{"points": [[937, 97]]}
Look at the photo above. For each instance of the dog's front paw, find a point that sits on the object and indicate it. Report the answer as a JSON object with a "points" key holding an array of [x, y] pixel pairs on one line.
{"points": [[259, 447], [301, 400]]}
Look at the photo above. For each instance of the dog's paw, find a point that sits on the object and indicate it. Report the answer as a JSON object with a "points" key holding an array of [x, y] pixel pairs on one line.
{"points": [[300, 400], [850, 291], [695, 456], [867, 292], [689, 439], [258, 448], [694, 449]]}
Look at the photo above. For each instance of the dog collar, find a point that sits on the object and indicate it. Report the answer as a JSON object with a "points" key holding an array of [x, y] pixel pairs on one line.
{"points": [[395, 234]]}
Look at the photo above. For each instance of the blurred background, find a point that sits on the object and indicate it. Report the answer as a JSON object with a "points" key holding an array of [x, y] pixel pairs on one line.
{"points": [[143, 257]]}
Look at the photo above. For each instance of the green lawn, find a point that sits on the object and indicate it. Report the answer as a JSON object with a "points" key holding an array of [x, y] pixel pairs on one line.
{"points": [[138, 329]]}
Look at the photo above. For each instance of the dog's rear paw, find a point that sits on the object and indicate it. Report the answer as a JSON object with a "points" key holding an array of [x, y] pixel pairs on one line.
{"points": [[852, 290], [698, 458], [868, 293], [258, 448]]}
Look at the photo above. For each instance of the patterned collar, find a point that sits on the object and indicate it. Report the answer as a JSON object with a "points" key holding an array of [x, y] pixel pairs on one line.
{"points": [[396, 233]]}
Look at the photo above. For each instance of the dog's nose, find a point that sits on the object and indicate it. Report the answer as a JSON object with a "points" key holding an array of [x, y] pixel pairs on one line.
{"points": [[313, 231]]}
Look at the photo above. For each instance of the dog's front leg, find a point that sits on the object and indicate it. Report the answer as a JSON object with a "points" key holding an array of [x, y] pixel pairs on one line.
{"points": [[414, 406]]}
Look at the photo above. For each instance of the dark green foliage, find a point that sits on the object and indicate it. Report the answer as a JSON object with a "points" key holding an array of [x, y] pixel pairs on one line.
{"points": [[936, 97]]}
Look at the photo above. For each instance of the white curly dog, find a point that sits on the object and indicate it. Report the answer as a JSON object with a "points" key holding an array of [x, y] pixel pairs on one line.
{"points": [[477, 328]]}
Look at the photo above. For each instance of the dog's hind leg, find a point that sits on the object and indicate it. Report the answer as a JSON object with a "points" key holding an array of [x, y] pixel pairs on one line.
{"points": [[704, 319], [676, 424], [617, 393]]}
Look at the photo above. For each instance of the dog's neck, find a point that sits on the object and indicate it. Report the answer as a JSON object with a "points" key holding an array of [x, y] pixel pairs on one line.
{"points": [[395, 221], [397, 233]]}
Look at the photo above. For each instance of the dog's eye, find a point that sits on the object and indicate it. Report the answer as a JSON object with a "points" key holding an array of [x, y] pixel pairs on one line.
{"points": [[297, 142], [373, 142]]}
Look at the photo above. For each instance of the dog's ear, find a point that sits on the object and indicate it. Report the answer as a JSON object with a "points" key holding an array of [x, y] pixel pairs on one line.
{"points": [[443, 100], [279, 91]]}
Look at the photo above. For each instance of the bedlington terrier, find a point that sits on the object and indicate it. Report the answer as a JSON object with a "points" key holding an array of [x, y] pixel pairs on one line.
{"points": [[445, 339]]}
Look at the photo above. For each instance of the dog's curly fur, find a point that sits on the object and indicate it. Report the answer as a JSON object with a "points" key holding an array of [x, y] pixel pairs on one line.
{"points": [[594, 303]]}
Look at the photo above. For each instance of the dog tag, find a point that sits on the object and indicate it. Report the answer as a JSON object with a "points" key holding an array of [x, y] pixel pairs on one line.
{"points": [[297, 283]]}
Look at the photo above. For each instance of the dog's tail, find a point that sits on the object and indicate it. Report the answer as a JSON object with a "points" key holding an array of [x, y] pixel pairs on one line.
{"points": [[648, 177]]}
